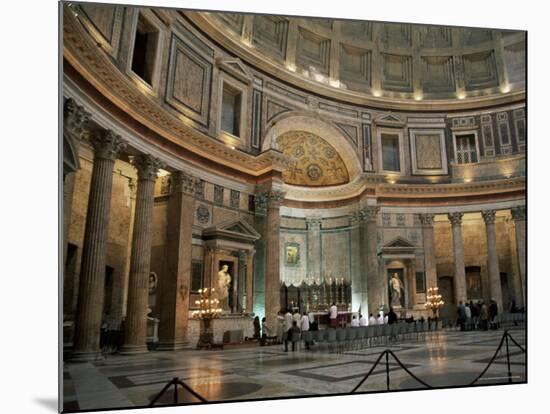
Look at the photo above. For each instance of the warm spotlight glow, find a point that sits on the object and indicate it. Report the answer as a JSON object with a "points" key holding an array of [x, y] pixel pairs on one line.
{"points": [[291, 67], [461, 95], [376, 93], [505, 88], [334, 83], [467, 180], [418, 96]]}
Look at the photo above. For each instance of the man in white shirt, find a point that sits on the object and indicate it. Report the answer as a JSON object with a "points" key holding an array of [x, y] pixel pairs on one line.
{"points": [[363, 320], [372, 320], [354, 322], [380, 320], [304, 326], [386, 320], [298, 318], [333, 316]]}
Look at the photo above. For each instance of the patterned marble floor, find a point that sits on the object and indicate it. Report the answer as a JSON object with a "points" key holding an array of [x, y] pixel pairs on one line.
{"points": [[441, 360]]}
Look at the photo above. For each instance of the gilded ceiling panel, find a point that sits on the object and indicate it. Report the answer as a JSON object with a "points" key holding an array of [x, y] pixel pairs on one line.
{"points": [[314, 161]]}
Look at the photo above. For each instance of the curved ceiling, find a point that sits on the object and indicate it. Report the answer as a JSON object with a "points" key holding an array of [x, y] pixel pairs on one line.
{"points": [[379, 60], [314, 161]]}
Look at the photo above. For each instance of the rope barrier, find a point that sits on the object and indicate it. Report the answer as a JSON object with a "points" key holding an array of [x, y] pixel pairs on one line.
{"points": [[503, 341], [175, 382]]}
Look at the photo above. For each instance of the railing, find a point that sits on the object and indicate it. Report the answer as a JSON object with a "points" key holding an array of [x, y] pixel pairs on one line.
{"points": [[175, 382]]}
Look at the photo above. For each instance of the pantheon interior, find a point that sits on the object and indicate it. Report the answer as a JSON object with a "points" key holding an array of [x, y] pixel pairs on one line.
{"points": [[263, 163]]}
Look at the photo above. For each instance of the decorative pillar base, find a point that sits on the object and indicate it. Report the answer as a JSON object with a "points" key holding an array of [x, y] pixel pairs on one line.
{"points": [[86, 356], [173, 345], [133, 350]]}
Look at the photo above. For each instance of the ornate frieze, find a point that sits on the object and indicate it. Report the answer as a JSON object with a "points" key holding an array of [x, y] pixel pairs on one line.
{"points": [[203, 214]]}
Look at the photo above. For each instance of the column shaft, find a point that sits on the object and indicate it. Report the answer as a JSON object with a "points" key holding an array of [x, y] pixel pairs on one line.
{"points": [[260, 224], [492, 257], [458, 253], [107, 146], [175, 285], [356, 269], [519, 216], [135, 328], [429, 249], [272, 258], [375, 291]]}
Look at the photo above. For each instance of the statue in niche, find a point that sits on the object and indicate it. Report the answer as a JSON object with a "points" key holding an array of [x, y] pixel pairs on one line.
{"points": [[396, 291], [224, 280], [153, 280]]}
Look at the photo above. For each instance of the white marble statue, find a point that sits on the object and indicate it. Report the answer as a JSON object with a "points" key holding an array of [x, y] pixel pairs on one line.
{"points": [[224, 280], [396, 288]]}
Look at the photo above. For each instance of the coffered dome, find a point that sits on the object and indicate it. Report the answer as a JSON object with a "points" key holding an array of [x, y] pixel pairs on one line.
{"points": [[378, 60]]}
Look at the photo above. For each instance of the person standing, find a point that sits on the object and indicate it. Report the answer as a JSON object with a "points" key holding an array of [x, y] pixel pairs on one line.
{"points": [[380, 320], [468, 313], [363, 321], [280, 326], [297, 318], [354, 322], [257, 327], [372, 320], [293, 335], [286, 326], [304, 326], [461, 318], [392, 317], [484, 316], [333, 316]]}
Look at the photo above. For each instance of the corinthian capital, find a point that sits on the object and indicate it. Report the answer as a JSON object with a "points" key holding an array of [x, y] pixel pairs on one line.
{"points": [[107, 145], [519, 213], [488, 216], [183, 182], [75, 119], [260, 204], [427, 219], [455, 218], [369, 213], [274, 198], [313, 223], [147, 166]]}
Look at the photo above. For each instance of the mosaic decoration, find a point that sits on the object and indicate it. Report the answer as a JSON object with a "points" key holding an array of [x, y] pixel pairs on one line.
{"points": [[315, 161]]}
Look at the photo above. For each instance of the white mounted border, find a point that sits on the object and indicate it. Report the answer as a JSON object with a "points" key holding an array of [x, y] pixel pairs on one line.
{"points": [[413, 133], [391, 131], [466, 132]]}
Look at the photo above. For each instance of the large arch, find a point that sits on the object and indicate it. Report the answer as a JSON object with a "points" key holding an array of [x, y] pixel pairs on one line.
{"points": [[313, 123]]}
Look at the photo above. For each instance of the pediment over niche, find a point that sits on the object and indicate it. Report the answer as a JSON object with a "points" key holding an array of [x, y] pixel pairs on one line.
{"points": [[389, 119], [235, 67], [399, 242], [235, 229]]}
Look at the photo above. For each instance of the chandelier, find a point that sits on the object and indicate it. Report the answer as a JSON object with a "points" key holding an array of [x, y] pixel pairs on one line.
{"points": [[434, 300]]}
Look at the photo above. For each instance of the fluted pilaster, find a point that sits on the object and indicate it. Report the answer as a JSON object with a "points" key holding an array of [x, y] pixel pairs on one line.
{"points": [[107, 146], [492, 257], [427, 221], [373, 292], [175, 285], [458, 253], [272, 277], [519, 214], [135, 329]]}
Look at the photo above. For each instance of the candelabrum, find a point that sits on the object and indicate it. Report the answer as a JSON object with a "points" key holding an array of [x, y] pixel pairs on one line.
{"points": [[208, 309], [434, 300]]}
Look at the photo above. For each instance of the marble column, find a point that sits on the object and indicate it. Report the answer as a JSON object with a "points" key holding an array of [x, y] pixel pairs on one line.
{"points": [[175, 285], [75, 120], [458, 253], [314, 246], [492, 257], [135, 328], [374, 292], [107, 146], [427, 221], [241, 284], [272, 259], [260, 224], [249, 281], [356, 270], [519, 215]]}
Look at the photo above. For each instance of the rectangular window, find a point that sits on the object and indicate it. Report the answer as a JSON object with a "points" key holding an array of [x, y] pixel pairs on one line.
{"points": [[390, 152], [420, 282], [466, 151], [196, 276], [231, 110], [145, 50]]}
